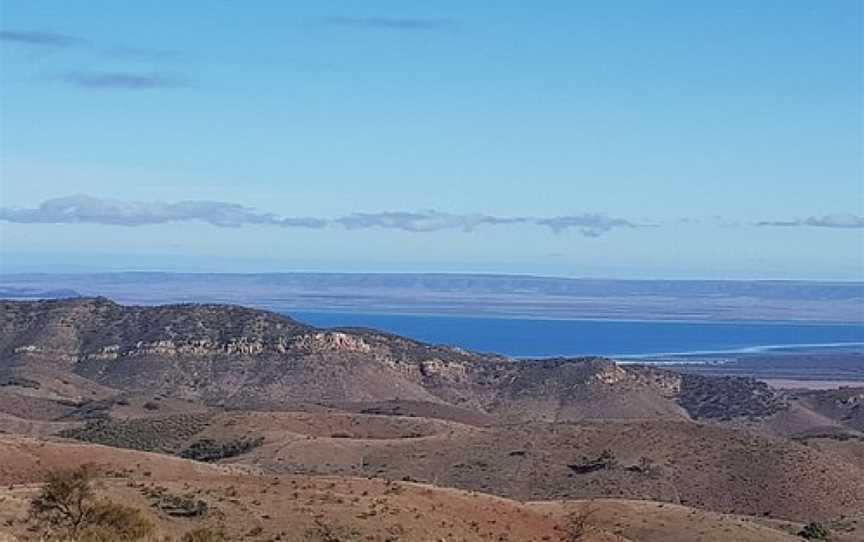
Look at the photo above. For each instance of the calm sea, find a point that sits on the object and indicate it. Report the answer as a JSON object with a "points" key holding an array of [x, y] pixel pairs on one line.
{"points": [[544, 338]]}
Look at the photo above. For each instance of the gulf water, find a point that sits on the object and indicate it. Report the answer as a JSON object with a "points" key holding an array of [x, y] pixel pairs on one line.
{"points": [[546, 338]]}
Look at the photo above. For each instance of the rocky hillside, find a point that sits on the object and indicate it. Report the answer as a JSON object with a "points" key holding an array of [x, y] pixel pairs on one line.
{"points": [[238, 357], [57, 357], [253, 390]]}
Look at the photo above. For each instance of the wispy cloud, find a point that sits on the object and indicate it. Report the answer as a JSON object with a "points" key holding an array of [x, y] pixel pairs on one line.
{"points": [[388, 23], [589, 224], [92, 210], [122, 81], [38, 40], [84, 209], [839, 220], [41, 40], [88, 209], [426, 221], [140, 53], [49, 41]]}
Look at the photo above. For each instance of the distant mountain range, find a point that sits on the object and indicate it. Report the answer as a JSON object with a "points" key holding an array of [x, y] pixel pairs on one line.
{"points": [[35, 293], [490, 295]]}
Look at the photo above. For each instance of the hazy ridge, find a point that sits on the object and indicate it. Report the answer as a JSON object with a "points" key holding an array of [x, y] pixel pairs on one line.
{"points": [[489, 295]]}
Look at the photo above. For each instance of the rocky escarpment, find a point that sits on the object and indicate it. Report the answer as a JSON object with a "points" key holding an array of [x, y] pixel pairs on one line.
{"points": [[230, 354], [238, 357]]}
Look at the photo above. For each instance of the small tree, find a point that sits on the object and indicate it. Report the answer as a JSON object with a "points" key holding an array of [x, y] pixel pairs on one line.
{"points": [[67, 500], [68, 503]]}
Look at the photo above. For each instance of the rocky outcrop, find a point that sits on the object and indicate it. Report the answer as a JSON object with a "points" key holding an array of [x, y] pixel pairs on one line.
{"points": [[244, 357]]}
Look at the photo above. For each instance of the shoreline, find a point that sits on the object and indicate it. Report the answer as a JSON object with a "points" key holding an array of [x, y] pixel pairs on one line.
{"points": [[810, 384], [791, 348]]}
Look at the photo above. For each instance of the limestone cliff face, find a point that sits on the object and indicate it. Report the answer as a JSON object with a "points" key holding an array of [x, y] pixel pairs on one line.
{"points": [[228, 353]]}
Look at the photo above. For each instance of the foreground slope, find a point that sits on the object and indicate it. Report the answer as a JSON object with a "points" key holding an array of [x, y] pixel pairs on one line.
{"points": [[252, 506], [711, 467]]}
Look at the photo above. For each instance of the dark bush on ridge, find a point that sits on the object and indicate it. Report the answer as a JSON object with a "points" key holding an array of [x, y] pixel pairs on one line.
{"points": [[211, 450]]}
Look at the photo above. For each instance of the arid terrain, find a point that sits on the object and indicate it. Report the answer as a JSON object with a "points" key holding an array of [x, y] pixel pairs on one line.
{"points": [[288, 432]]}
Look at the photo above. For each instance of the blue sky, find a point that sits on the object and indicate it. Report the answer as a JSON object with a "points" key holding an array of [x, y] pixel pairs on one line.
{"points": [[624, 138]]}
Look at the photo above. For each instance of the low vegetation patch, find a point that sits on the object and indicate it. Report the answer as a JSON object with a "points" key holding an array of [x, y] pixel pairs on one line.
{"points": [[327, 532], [727, 398], [20, 382], [578, 524], [184, 506], [165, 434], [605, 461], [815, 531], [204, 534], [212, 450]]}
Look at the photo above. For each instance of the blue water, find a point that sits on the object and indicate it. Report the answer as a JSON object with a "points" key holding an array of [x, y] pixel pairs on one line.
{"points": [[545, 338]]}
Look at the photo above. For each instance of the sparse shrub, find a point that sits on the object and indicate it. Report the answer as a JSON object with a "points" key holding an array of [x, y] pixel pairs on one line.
{"points": [[325, 532], [204, 534], [607, 457], [647, 465], [815, 531], [112, 522], [578, 524], [150, 405], [176, 505], [605, 461], [68, 504]]}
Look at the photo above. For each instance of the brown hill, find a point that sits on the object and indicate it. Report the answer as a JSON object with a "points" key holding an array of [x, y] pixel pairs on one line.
{"points": [[57, 357], [845, 405], [249, 506], [244, 358], [678, 462]]}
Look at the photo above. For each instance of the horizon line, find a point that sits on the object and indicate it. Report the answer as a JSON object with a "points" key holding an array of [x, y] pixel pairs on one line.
{"points": [[427, 274]]}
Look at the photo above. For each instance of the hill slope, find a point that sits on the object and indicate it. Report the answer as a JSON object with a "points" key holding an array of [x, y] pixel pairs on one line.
{"points": [[250, 506], [245, 358]]}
